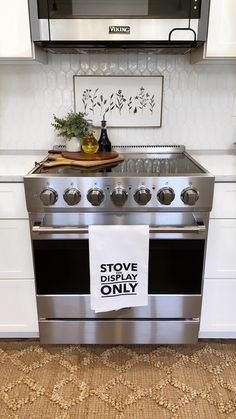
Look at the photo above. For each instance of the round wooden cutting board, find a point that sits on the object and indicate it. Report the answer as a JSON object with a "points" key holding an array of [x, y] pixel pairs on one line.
{"points": [[90, 156]]}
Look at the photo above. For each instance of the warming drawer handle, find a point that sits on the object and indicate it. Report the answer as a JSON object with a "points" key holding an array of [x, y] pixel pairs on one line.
{"points": [[152, 229]]}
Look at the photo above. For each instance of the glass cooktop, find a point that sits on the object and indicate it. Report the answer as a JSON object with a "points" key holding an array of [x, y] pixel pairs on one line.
{"points": [[156, 164]]}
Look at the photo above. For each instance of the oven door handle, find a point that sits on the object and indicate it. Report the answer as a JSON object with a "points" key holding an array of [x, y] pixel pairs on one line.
{"points": [[201, 228]]}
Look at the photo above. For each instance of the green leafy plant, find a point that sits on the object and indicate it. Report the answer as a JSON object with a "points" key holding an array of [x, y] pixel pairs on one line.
{"points": [[72, 125]]}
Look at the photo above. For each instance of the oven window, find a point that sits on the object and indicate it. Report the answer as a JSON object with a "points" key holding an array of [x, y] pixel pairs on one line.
{"points": [[175, 266], [165, 9], [62, 266]]}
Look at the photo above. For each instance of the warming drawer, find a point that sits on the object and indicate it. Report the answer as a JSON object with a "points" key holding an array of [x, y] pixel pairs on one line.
{"points": [[120, 332]]}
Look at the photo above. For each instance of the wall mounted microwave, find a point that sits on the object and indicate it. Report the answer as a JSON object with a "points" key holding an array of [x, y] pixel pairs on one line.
{"points": [[74, 25]]}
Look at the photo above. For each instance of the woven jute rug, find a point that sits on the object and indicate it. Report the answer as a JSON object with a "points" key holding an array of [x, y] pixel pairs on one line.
{"points": [[119, 382]]}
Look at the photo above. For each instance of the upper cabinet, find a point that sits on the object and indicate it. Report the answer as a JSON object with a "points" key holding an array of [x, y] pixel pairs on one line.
{"points": [[221, 40], [15, 33]]}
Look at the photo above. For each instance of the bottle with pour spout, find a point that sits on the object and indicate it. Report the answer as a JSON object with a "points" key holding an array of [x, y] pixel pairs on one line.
{"points": [[104, 142]]}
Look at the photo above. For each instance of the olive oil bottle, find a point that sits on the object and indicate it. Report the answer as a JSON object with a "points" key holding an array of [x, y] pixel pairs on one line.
{"points": [[90, 144]]}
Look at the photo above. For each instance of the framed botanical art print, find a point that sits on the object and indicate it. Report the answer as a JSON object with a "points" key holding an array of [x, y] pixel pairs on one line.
{"points": [[123, 101]]}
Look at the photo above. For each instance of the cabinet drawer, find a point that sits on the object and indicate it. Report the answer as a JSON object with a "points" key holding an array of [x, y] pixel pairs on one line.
{"points": [[224, 201], [12, 201], [15, 250], [221, 249], [218, 316], [18, 313]]}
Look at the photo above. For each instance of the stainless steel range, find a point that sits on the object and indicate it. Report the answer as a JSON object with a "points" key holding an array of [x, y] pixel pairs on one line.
{"points": [[162, 187]]}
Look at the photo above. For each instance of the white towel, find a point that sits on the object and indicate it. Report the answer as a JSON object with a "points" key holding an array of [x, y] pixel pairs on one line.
{"points": [[118, 258]]}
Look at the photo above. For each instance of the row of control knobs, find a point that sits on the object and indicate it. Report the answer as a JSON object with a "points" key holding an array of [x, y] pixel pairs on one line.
{"points": [[119, 196]]}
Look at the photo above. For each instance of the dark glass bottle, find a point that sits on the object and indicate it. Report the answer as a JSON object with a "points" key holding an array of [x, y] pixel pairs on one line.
{"points": [[104, 142]]}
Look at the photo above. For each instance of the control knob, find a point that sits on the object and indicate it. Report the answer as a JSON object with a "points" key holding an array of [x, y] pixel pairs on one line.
{"points": [[48, 196], [72, 196], [119, 196], [95, 196], [142, 196], [165, 195], [190, 196]]}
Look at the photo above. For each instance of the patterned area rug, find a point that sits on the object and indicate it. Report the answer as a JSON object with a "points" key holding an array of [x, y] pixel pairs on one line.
{"points": [[119, 382]]}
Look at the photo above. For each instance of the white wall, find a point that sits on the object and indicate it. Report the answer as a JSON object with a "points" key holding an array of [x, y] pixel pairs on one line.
{"points": [[199, 108]]}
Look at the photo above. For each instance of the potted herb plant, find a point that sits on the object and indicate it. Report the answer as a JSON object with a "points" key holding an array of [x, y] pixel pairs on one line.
{"points": [[73, 127]]}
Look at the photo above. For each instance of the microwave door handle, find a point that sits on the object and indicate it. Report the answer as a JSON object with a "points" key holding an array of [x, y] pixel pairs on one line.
{"points": [[152, 229]]}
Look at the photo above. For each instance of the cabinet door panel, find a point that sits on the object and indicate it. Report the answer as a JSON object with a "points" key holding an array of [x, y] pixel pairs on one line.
{"points": [[224, 201], [15, 38], [12, 201], [221, 249], [15, 250], [18, 314], [221, 41], [218, 316]]}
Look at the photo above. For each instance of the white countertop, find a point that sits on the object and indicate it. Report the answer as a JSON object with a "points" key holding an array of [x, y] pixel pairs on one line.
{"points": [[14, 166], [222, 166]]}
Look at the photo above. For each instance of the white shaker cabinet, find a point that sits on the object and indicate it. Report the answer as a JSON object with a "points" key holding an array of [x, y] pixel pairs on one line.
{"points": [[18, 313], [218, 317], [15, 33], [18, 316], [221, 39], [12, 201], [15, 250], [221, 249]]}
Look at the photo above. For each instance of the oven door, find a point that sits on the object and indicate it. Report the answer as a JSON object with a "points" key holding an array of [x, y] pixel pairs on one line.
{"points": [[176, 255]]}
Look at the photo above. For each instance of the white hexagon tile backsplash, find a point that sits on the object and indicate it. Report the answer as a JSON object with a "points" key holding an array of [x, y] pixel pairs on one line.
{"points": [[198, 100]]}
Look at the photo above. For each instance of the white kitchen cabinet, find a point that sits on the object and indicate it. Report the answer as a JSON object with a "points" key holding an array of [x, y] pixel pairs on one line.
{"points": [[15, 33], [221, 249], [221, 39], [18, 313], [224, 202], [218, 316], [12, 201], [15, 250]]}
